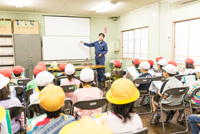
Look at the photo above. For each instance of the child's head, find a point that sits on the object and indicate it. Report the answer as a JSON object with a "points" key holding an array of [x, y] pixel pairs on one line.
{"points": [[43, 79], [86, 125], [159, 58], [52, 99], [62, 67], [38, 69], [173, 63], [189, 63], [136, 62], [17, 71], [161, 63], [145, 66], [87, 76], [6, 72], [122, 95], [42, 63], [151, 63], [4, 87], [117, 64], [54, 65], [169, 71], [70, 71]]}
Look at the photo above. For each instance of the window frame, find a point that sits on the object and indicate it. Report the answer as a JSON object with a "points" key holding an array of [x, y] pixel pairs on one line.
{"points": [[121, 43], [173, 40]]}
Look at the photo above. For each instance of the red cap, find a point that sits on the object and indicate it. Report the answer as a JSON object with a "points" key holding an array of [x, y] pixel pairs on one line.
{"points": [[189, 60], [38, 69], [6, 72], [18, 69], [42, 63], [151, 62], [136, 61], [158, 58], [117, 63], [172, 63], [62, 66]]}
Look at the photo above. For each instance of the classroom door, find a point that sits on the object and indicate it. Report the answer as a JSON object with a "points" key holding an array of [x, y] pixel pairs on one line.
{"points": [[28, 51]]}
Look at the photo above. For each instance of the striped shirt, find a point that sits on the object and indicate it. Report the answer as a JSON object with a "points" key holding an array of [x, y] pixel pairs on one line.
{"points": [[196, 98]]}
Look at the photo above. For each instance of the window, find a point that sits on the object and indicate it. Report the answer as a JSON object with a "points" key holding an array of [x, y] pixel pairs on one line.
{"points": [[187, 40], [135, 43]]}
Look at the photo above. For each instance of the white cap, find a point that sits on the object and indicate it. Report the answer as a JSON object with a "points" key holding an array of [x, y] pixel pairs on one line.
{"points": [[44, 78], [162, 62], [3, 81], [87, 75], [145, 65], [54, 64], [69, 69], [170, 69], [197, 69]]}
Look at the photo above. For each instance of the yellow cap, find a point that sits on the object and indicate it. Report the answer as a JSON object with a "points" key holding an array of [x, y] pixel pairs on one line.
{"points": [[52, 98], [122, 91], [86, 125], [2, 113]]}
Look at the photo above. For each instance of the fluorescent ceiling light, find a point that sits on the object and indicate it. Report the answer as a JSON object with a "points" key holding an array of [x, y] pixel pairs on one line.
{"points": [[105, 6], [18, 3]]}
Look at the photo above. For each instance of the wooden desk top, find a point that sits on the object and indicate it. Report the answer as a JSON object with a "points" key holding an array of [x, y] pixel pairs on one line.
{"points": [[79, 67]]}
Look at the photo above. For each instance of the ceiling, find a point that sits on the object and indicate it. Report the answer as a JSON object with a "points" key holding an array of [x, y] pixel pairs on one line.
{"points": [[74, 7]]}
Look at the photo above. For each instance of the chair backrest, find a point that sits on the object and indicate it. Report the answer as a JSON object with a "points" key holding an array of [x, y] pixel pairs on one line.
{"points": [[177, 91], [68, 88], [158, 78], [59, 78], [68, 102], [35, 108], [87, 64], [90, 104], [15, 110], [144, 80], [194, 92], [28, 93], [23, 82], [19, 91], [179, 77], [119, 73]]}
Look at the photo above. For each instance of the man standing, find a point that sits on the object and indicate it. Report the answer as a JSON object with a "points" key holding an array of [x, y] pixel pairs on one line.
{"points": [[101, 49]]}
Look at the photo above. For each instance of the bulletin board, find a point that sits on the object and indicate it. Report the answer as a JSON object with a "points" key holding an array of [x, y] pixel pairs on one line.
{"points": [[5, 26], [25, 27]]}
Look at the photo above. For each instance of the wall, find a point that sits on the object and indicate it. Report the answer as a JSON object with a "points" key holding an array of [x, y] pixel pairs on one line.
{"points": [[160, 28], [97, 25]]}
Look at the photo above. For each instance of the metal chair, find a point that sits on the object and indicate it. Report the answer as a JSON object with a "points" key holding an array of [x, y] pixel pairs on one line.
{"points": [[179, 77], [59, 78], [37, 109], [141, 131], [194, 106], [15, 110], [180, 91], [28, 93], [90, 104], [158, 78], [144, 80], [116, 73], [23, 82], [19, 92], [68, 88]]}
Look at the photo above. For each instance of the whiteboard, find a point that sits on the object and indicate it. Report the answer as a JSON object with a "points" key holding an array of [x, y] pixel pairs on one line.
{"points": [[64, 47], [70, 26]]}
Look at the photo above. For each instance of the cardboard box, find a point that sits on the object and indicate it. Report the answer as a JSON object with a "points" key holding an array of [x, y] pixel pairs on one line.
{"points": [[25, 27], [5, 26]]}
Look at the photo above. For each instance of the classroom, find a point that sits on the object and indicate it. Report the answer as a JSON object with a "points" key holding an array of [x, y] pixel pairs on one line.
{"points": [[99, 66]]}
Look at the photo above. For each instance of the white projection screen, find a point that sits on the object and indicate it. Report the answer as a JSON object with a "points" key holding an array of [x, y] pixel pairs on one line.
{"points": [[62, 38]]}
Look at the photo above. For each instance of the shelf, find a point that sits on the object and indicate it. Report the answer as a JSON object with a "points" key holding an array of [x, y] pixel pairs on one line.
{"points": [[6, 55], [6, 45], [5, 35], [7, 65]]}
